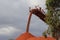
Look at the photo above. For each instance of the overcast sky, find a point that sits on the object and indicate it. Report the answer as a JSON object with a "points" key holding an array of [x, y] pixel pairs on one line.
{"points": [[13, 18]]}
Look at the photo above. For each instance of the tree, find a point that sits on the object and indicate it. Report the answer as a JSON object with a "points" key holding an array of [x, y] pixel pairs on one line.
{"points": [[53, 17]]}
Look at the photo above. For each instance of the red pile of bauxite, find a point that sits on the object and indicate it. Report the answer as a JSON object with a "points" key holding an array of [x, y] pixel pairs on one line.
{"points": [[28, 36]]}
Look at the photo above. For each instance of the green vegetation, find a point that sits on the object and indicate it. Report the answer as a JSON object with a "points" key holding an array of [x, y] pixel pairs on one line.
{"points": [[53, 17]]}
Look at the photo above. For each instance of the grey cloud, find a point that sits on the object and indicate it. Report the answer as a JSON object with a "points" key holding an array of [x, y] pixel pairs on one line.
{"points": [[15, 13]]}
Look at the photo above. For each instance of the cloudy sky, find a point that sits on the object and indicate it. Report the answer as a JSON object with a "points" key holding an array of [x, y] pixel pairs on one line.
{"points": [[13, 18]]}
